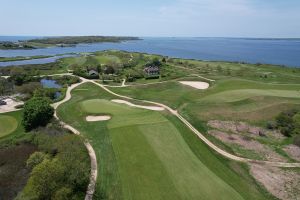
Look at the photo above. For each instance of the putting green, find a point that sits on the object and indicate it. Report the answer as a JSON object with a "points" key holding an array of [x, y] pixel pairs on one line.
{"points": [[7, 125]]}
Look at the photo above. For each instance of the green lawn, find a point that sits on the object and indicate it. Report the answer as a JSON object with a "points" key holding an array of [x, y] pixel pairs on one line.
{"points": [[10, 126], [144, 154], [7, 125]]}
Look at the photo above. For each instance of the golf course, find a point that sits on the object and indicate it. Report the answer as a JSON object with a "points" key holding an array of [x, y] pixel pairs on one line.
{"points": [[151, 154], [199, 130]]}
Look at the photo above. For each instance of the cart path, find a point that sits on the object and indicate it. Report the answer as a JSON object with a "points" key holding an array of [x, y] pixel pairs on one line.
{"points": [[94, 169]]}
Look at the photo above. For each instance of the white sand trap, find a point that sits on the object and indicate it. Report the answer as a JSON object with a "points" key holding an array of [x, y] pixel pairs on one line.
{"points": [[98, 118], [156, 108], [196, 84]]}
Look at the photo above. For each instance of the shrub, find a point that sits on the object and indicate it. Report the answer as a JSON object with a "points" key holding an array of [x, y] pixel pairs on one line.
{"points": [[271, 125], [37, 112], [45, 178], [35, 159], [288, 122], [63, 194], [297, 140]]}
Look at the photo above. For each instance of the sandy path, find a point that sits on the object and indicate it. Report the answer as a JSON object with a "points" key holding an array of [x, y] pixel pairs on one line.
{"points": [[94, 169], [155, 108], [196, 84]]}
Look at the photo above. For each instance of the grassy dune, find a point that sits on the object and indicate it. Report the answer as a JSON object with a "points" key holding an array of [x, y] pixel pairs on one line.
{"points": [[150, 155]]}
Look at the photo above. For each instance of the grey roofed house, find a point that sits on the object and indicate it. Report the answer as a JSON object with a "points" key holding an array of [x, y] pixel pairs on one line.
{"points": [[152, 70], [93, 73]]}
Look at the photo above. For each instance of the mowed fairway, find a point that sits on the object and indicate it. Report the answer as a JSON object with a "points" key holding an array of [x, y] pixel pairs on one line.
{"points": [[142, 154], [154, 161], [8, 124], [238, 95]]}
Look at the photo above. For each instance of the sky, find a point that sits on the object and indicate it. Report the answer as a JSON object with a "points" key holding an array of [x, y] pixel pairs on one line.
{"points": [[164, 18]]}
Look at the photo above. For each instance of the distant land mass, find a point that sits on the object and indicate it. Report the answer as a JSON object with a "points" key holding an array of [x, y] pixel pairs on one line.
{"points": [[64, 41]]}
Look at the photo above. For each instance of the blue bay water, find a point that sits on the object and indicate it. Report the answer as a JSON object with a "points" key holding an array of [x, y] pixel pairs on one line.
{"points": [[269, 51]]}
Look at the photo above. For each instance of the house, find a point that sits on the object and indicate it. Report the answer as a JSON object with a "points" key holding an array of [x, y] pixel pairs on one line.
{"points": [[2, 103], [93, 73], [152, 71]]}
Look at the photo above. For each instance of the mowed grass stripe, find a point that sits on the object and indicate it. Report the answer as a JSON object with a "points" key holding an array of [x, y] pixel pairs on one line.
{"points": [[190, 176], [143, 175]]}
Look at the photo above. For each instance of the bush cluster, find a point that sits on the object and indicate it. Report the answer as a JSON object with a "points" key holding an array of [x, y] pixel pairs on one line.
{"points": [[60, 169], [37, 112]]}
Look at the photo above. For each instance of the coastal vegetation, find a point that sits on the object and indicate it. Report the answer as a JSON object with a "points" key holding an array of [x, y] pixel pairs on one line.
{"points": [[19, 58], [80, 39]]}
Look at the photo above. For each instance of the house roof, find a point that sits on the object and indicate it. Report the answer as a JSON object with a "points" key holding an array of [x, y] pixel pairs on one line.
{"points": [[93, 72]]}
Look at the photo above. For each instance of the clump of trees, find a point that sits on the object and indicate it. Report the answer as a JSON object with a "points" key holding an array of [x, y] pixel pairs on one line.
{"points": [[60, 167], [288, 123], [37, 112], [6, 86]]}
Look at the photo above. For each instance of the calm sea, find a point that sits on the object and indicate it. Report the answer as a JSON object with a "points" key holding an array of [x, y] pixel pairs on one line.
{"points": [[269, 51]]}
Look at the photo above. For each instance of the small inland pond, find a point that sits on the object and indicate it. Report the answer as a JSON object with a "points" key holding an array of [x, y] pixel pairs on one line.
{"points": [[49, 83]]}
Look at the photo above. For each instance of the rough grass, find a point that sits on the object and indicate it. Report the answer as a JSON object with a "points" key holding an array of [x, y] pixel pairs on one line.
{"points": [[146, 155], [13, 170]]}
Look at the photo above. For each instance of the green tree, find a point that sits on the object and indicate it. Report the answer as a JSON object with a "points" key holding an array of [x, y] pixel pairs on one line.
{"points": [[45, 179], [63, 193], [296, 120], [37, 112]]}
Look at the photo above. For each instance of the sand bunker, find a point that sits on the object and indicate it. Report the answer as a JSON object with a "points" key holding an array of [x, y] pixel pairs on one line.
{"points": [[98, 118], [196, 84], [156, 108]]}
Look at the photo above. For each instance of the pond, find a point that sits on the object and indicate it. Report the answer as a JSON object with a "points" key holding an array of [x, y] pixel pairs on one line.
{"points": [[48, 83]]}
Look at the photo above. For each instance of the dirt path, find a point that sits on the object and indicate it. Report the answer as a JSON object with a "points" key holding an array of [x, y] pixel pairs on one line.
{"points": [[94, 170]]}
